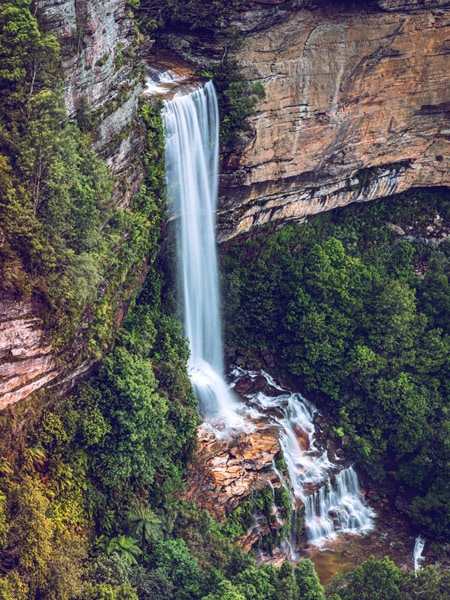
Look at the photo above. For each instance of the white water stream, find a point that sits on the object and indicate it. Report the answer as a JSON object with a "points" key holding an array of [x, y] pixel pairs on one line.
{"points": [[331, 496], [417, 554], [192, 142]]}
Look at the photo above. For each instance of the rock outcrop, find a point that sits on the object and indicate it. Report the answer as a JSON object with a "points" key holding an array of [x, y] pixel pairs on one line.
{"points": [[102, 78], [225, 471], [357, 107], [26, 360]]}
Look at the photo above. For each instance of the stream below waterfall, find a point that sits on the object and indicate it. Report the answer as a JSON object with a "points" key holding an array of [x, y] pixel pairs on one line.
{"points": [[341, 527]]}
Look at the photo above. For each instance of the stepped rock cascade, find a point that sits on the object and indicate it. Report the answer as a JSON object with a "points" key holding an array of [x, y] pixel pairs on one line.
{"points": [[192, 129], [330, 493]]}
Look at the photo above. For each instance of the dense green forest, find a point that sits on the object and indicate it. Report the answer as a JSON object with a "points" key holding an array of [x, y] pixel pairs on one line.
{"points": [[91, 486], [61, 233], [361, 316]]}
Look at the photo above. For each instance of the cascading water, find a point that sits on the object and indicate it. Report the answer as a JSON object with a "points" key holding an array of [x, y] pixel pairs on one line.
{"points": [[336, 507], [333, 504], [419, 545], [192, 136], [191, 123]]}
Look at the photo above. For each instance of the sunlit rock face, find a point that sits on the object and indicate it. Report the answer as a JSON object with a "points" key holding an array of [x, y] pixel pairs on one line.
{"points": [[357, 107], [26, 361], [227, 470]]}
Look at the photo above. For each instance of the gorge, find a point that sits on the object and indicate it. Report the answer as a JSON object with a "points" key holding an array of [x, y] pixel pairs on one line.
{"points": [[324, 495], [109, 485]]}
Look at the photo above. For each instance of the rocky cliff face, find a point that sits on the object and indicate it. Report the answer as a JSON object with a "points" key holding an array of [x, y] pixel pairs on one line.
{"points": [[227, 470], [102, 82], [357, 107], [101, 77], [26, 362]]}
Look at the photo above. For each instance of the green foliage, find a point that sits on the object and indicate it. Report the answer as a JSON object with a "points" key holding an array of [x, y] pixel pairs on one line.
{"points": [[12, 587], [373, 579], [339, 304], [308, 582], [256, 584], [225, 591], [174, 558], [110, 567], [144, 526], [208, 15], [105, 591], [238, 561], [31, 531], [237, 99], [126, 547], [203, 535], [136, 416], [62, 238]]}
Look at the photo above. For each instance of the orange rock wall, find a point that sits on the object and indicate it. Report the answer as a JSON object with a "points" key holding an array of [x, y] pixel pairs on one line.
{"points": [[346, 89]]}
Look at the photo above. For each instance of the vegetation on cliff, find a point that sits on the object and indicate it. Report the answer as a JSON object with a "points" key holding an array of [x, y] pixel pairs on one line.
{"points": [[90, 487], [62, 239]]}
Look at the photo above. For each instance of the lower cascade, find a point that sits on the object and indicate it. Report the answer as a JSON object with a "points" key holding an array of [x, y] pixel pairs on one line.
{"points": [[419, 545], [329, 493]]}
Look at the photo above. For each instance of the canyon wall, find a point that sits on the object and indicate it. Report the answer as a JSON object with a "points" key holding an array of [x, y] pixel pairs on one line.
{"points": [[357, 107], [101, 78]]}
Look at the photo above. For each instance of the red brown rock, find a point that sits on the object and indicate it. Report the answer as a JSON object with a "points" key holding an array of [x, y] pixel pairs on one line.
{"points": [[356, 108], [226, 471], [26, 360]]}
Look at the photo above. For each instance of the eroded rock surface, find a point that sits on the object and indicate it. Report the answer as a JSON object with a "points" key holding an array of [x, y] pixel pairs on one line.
{"points": [[99, 51], [26, 360], [357, 107], [225, 471]]}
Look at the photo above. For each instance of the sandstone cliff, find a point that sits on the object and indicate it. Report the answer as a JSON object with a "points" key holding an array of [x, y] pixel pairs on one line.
{"points": [[101, 78], [98, 44], [357, 107]]}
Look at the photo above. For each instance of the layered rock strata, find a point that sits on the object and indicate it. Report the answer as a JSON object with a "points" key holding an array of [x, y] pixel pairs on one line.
{"points": [[103, 85], [357, 107], [26, 360], [225, 471]]}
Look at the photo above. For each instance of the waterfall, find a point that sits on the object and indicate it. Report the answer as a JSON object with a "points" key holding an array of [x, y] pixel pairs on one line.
{"points": [[337, 507], [192, 137], [335, 504], [418, 549], [331, 503]]}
